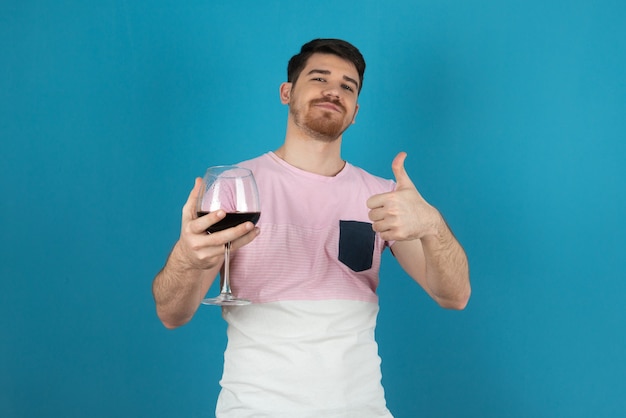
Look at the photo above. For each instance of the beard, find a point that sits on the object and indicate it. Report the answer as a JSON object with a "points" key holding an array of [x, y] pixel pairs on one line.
{"points": [[325, 125]]}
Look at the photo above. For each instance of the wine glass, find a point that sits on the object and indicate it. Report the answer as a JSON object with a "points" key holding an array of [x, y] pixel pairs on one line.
{"points": [[232, 189]]}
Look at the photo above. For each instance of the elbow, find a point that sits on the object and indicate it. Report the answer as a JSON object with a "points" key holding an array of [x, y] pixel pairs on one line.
{"points": [[459, 299], [170, 321], [457, 303], [170, 325]]}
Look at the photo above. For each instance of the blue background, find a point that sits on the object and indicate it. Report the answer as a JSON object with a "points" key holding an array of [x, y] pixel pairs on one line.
{"points": [[514, 117]]}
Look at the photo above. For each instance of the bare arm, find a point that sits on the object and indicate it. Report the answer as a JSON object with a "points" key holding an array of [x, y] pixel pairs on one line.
{"points": [[424, 244], [439, 264], [194, 263]]}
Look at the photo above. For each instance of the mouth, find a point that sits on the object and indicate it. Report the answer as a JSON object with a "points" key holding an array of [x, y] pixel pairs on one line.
{"points": [[328, 105]]}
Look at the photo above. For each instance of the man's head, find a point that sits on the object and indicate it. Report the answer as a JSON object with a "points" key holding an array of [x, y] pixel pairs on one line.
{"points": [[337, 47]]}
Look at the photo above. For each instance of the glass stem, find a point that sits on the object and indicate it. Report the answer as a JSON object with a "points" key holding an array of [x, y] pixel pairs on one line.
{"points": [[226, 282]]}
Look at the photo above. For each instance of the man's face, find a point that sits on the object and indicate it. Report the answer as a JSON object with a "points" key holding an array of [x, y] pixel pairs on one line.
{"points": [[323, 100]]}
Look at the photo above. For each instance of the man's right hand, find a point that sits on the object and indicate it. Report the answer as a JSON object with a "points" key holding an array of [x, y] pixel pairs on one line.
{"points": [[194, 262], [196, 249]]}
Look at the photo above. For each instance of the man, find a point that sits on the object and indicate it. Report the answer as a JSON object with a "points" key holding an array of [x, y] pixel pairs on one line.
{"points": [[305, 347]]}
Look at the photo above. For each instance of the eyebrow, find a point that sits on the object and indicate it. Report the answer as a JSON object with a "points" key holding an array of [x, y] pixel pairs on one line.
{"points": [[327, 72]]}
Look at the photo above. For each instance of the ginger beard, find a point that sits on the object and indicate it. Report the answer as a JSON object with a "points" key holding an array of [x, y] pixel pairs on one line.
{"points": [[326, 125]]}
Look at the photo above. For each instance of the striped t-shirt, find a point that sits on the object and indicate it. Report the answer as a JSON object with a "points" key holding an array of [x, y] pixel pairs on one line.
{"points": [[306, 347]]}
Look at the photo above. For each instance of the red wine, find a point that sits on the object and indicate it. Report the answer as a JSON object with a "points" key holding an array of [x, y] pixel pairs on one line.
{"points": [[232, 219]]}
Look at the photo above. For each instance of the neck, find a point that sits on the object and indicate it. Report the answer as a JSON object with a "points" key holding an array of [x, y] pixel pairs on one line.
{"points": [[315, 155]]}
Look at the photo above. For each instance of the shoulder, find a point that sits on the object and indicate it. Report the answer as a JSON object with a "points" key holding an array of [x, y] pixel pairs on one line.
{"points": [[254, 164], [372, 181]]}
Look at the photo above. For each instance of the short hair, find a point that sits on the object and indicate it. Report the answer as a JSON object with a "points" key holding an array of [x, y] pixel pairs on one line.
{"points": [[337, 47]]}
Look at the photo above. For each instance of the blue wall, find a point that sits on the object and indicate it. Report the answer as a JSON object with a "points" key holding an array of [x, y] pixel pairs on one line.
{"points": [[514, 117]]}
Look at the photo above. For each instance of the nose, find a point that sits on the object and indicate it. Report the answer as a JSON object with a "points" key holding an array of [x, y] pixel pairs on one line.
{"points": [[331, 91]]}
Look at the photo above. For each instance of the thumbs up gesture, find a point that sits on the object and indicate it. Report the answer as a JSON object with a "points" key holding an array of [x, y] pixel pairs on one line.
{"points": [[402, 214]]}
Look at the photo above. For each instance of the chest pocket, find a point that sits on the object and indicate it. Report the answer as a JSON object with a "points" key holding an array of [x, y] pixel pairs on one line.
{"points": [[356, 244]]}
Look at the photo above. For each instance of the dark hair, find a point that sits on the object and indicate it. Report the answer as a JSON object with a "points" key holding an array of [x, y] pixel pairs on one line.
{"points": [[336, 47]]}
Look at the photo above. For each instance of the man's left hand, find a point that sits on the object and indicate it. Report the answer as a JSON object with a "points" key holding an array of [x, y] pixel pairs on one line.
{"points": [[402, 214]]}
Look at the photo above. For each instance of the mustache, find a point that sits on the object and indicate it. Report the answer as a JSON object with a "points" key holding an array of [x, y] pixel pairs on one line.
{"points": [[328, 100]]}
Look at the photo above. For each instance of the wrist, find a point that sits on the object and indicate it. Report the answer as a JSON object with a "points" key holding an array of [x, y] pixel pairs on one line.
{"points": [[179, 261]]}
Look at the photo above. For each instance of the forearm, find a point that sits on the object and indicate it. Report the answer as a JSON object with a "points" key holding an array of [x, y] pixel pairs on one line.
{"points": [[447, 270], [439, 264], [423, 244], [178, 290]]}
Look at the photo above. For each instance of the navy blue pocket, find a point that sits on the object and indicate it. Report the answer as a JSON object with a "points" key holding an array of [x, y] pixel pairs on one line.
{"points": [[356, 244]]}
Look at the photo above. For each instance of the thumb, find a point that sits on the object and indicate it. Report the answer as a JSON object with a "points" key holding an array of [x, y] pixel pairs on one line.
{"points": [[403, 181], [189, 210]]}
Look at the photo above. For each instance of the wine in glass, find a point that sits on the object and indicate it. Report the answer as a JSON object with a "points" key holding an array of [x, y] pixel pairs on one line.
{"points": [[232, 189]]}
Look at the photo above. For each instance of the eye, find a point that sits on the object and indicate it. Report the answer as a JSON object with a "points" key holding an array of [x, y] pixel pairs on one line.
{"points": [[319, 79], [347, 87]]}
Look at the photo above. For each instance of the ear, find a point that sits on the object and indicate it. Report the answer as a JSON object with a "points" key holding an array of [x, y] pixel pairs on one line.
{"points": [[356, 110], [285, 92]]}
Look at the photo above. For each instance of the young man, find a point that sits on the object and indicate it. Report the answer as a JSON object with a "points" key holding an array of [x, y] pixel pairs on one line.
{"points": [[305, 347]]}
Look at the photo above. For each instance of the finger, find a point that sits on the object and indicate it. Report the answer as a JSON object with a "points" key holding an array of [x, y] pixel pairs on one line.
{"points": [[189, 209], [234, 233], [381, 226], [403, 181], [201, 241], [202, 223], [376, 214], [245, 239], [376, 201], [210, 245]]}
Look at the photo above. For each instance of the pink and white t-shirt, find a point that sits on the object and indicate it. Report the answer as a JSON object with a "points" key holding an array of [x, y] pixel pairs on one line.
{"points": [[306, 347]]}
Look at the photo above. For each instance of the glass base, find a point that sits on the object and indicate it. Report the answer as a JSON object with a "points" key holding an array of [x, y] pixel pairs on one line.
{"points": [[226, 300]]}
